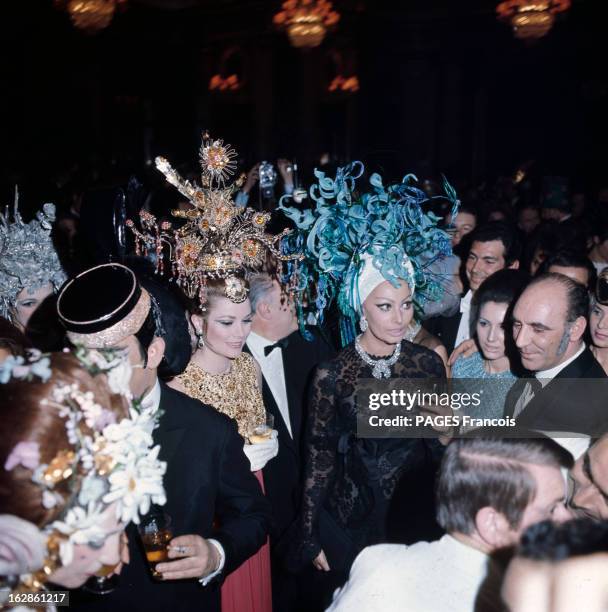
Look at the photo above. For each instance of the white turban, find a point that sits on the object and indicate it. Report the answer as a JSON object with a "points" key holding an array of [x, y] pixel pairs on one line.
{"points": [[370, 277]]}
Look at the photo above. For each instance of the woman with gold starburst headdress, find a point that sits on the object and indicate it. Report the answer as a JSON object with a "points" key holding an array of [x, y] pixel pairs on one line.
{"points": [[211, 257]]}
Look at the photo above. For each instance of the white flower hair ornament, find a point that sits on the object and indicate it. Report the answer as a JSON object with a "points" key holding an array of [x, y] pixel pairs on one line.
{"points": [[109, 459]]}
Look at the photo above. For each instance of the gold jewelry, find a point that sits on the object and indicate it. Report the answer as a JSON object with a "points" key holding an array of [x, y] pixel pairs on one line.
{"points": [[235, 393], [219, 239]]}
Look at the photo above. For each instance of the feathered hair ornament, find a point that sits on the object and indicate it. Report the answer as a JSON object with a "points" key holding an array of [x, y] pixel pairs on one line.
{"points": [[347, 230]]}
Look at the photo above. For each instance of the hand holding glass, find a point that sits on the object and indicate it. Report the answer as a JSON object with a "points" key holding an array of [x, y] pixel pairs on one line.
{"points": [[155, 532], [262, 432]]}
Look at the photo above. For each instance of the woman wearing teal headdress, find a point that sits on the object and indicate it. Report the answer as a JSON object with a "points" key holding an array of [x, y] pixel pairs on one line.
{"points": [[373, 253]]}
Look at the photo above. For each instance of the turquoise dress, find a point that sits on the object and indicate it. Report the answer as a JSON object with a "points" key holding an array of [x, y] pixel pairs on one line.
{"points": [[494, 392]]}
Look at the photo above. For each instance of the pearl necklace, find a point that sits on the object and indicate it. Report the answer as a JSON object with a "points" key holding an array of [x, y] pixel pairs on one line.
{"points": [[381, 368]]}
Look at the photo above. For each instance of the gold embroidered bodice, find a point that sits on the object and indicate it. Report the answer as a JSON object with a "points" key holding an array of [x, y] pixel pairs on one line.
{"points": [[235, 393]]}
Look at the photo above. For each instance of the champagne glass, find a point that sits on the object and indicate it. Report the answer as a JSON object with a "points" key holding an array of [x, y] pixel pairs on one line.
{"points": [[262, 432], [155, 532]]}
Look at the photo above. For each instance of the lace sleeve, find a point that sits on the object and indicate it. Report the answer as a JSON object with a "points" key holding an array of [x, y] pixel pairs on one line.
{"points": [[321, 453]]}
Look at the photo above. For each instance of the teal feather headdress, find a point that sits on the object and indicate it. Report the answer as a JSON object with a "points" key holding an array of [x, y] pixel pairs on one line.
{"points": [[390, 224]]}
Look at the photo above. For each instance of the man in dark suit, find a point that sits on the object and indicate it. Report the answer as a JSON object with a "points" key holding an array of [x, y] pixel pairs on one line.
{"points": [[219, 514], [549, 321], [494, 246], [287, 361]]}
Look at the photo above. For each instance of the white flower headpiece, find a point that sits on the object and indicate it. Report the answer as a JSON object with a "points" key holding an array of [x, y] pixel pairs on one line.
{"points": [[112, 460]]}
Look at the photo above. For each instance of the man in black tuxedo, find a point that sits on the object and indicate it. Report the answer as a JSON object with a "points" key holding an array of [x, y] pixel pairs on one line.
{"points": [[219, 514], [549, 321], [287, 361], [494, 246]]}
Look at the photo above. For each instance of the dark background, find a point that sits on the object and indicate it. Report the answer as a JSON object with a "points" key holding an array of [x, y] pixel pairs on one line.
{"points": [[444, 87]]}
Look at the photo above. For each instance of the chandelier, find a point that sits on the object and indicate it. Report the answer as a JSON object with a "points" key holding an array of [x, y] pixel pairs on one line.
{"points": [[221, 83], [90, 15], [306, 21], [531, 19], [344, 84]]}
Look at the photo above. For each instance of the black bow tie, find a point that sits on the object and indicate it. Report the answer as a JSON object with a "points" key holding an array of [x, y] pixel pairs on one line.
{"points": [[280, 344]]}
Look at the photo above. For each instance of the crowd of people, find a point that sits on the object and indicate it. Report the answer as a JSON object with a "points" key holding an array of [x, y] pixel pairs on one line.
{"points": [[209, 364]]}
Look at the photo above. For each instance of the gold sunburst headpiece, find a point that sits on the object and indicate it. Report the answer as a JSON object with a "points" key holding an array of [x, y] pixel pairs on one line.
{"points": [[217, 161], [219, 239]]}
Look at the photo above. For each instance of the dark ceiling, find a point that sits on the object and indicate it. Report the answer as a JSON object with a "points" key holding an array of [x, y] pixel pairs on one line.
{"points": [[443, 87]]}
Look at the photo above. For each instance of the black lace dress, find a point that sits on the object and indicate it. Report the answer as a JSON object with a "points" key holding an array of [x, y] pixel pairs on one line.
{"points": [[349, 481]]}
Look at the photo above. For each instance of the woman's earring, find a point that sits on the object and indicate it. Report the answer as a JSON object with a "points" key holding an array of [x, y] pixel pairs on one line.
{"points": [[363, 323], [200, 340]]}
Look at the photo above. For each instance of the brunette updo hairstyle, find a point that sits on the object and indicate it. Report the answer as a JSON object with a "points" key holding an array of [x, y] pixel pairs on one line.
{"points": [[25, 418]]}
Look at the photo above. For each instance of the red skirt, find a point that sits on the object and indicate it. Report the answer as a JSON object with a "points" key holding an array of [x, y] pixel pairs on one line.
{"points": [[248, 588]]}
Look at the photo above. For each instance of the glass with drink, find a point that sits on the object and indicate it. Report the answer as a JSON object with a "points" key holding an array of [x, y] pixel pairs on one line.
{"points": [[155, 532], [262, 432], [105, 579], [102, 583]]}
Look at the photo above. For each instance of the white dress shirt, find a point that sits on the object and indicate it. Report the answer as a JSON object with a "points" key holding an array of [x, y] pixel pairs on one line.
{"points": [[151, 401], [464, 327], [273, 371], [441, 576]]}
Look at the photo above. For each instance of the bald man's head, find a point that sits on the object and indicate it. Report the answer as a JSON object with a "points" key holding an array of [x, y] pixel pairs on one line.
{"points": [[549, 320]]}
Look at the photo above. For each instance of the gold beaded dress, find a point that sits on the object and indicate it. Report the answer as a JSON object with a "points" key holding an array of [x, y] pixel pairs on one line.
{"points": [[236, 394]]}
